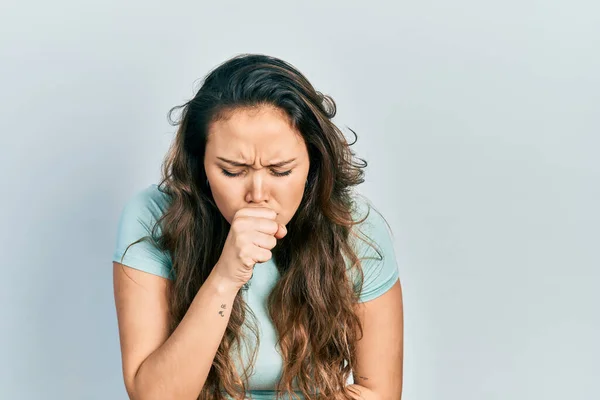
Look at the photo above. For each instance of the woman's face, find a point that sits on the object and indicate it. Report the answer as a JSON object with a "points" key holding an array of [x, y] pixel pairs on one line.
{"points": [[257, 137]]}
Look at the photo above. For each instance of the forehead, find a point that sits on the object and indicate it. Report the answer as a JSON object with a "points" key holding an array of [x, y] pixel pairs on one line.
{"points": [[263, 129]]}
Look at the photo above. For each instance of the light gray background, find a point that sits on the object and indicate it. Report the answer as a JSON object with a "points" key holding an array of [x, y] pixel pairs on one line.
{"points": [[479, 121]]}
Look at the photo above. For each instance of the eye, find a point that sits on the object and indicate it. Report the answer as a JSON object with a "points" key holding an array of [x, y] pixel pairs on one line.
{"points": [[282, 173], [229, 174], [233, 175]]}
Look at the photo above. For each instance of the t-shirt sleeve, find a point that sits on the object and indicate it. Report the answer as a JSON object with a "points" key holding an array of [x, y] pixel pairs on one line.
{"points": [[380, 267], [137, 219]]}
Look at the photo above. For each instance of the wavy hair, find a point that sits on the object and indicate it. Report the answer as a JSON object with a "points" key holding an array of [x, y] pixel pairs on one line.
{"points": [[315, 287]]}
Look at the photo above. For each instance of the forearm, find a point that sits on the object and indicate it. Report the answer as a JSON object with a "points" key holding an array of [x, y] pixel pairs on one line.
{"points": [[179, 368]]}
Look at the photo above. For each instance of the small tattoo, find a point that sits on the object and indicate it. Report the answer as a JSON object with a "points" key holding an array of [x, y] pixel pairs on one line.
{"points": [[221, 313], [223, 306]]}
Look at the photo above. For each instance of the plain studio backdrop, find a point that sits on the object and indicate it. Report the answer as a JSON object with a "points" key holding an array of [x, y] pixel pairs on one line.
{"points": [[480, 122]]}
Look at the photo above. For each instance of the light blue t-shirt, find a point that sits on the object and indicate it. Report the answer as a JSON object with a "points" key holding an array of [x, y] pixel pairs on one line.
{"points": [[143, 209]]}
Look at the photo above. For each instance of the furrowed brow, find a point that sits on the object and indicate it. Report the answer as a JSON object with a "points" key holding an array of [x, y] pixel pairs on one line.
{"points": [[241, 164]]}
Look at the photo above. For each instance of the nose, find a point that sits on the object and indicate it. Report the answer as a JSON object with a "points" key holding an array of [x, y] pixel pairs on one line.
{"points": [[257, 193]]}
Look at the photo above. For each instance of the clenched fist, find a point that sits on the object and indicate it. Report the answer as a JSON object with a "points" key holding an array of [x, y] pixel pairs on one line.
{"points": [[253, 233]]}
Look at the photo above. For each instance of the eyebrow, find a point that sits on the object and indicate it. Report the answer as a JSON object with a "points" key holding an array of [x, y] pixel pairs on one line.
{"points": [[240, 164]]}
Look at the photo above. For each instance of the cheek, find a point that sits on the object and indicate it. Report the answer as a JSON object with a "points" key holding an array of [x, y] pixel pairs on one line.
{"points": [[225, 199], [291, 191], [291, 197]]}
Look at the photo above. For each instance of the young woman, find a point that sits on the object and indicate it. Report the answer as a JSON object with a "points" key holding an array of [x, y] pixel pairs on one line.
{"points": [[253, 269]]}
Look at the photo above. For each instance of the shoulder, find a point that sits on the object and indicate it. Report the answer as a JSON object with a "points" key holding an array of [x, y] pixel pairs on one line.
{"points": [[145, 206], [371, 221], [137, 222], [373, 241]]}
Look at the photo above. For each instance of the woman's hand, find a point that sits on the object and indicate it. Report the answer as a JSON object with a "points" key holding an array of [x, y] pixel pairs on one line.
{"points": [[253, 233]]}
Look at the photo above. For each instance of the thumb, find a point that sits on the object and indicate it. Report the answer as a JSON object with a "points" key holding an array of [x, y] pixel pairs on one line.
{"points": [[281, 232]]}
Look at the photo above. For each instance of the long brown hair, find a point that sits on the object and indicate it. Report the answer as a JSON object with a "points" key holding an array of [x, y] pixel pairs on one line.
{"points": [[315, 287]]}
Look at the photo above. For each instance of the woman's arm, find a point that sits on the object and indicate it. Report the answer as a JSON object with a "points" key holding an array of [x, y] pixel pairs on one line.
{"points": [[156, 365], [380, 352]]}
